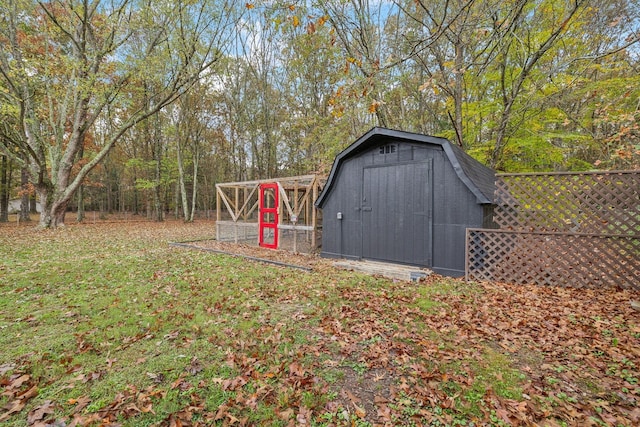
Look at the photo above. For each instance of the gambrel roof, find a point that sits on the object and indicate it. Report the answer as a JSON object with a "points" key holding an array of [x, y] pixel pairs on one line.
{"points": [[478, 178]]}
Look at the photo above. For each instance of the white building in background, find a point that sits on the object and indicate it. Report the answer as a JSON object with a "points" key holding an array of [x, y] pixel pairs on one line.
{"points": [[14, 206]]}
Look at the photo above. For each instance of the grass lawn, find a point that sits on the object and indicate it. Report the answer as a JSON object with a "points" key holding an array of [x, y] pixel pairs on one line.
{"points": [[106, 324]]}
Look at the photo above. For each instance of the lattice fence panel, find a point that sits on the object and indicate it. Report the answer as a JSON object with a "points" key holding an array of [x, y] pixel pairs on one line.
{"points": [[600, 203], [582, 261]]}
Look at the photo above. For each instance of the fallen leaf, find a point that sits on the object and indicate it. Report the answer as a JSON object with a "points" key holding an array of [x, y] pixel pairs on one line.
{"points": [[17, 383], [39, 413], [174, 422], [15, 406], [177, 383], [379, 400], [296, 369], [285, 415], [6, 368], [172, 336], [31, 393], [156, 378], [195, 366], [81, 403], [360, 412]]}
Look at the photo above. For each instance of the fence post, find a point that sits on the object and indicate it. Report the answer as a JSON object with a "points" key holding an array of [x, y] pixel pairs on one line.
{"points": [[466, 255]]}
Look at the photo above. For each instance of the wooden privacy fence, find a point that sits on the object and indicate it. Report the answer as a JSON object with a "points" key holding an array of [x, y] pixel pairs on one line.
{"points": [[569, 229]]}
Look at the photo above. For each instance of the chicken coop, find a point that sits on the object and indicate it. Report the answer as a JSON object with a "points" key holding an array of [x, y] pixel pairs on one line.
{"points": [[274, 213]]}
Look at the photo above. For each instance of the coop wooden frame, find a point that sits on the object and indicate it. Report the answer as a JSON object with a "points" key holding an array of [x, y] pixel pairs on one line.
{"points": [[237, 207]]}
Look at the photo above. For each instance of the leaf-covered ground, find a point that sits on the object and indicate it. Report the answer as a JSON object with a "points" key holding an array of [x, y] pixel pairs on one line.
{"points": [[106, 324]]}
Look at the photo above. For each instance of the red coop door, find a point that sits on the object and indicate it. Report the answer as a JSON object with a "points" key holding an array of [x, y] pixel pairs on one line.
{"points": [[268, 223]]}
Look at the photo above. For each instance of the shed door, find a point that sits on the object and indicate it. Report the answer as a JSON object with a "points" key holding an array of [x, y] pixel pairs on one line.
{"points": [[397, 213]]}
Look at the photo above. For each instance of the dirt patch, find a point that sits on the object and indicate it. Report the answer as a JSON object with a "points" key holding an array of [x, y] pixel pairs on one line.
{"points": [[365, 394]]}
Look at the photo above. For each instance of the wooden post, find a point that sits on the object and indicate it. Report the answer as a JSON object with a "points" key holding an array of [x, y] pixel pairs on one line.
{"points": [[218, 212], [244, 212], [235, 222], [236, 197], [295, 211], [244, 203], [295, 197], [466, 255], [307, 211], [314, 215]]}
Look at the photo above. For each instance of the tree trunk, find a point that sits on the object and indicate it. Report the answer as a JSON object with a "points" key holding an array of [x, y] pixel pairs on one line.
{"points": [[53, 211], [109, 206], [458, 93], [501, 137], [80, 214], [59, 213], [24, 195], [45, 198], [158, 215], [122, 198], [207, 198], [183, 189], [4, 189], [149, 211], [136, 211], [103, 214], [194, 193]]}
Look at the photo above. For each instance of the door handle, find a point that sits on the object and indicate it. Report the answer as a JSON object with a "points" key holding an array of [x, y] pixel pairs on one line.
{"points": [[366, 208]]}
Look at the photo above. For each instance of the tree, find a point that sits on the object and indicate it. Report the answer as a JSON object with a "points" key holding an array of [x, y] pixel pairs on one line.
{"points": [[359, 26], [65, 62], [499, 76], [189, 125], [445, 42], [5, 185], [520, 51], [542, 64]]}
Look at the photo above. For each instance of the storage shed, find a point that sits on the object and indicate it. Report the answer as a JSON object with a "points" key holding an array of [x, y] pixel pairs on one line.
{"points": [[404, 198]]}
